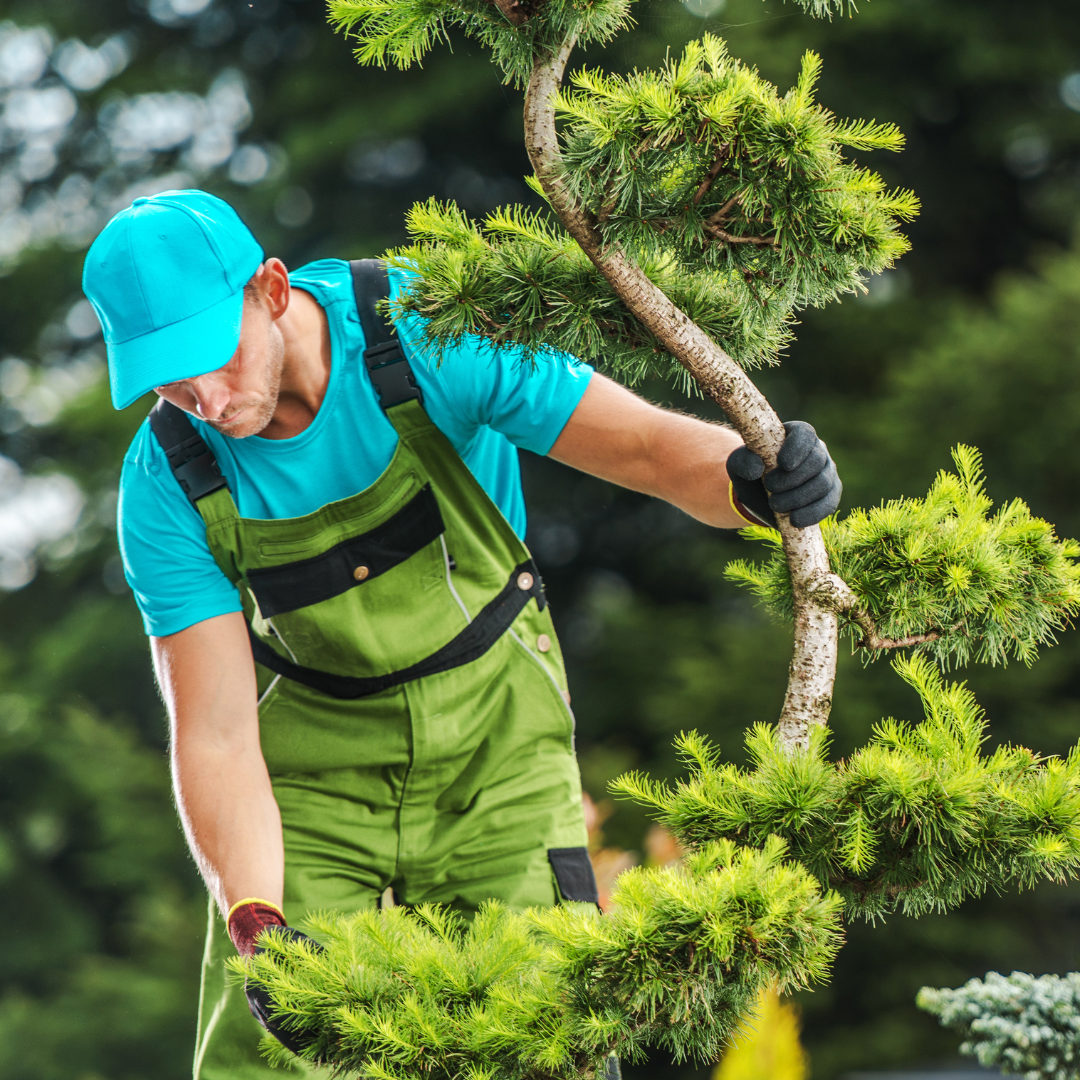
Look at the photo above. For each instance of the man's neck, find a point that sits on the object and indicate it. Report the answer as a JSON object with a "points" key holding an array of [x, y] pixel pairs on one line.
{"points": [[305, 372]]}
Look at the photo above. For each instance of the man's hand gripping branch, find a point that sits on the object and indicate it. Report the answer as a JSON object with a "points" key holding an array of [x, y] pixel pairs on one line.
{"points": [[701, 468]]}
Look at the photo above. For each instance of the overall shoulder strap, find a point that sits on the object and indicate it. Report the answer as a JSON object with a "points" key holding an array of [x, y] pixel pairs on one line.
{"points": [[385, 359], [191, 460]]}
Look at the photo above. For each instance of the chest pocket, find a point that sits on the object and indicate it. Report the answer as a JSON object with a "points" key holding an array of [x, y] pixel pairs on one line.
{"points": [[350, 563]]}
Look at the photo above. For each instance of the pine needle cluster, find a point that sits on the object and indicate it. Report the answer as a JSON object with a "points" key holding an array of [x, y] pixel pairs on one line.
{"points": [[421, 993], [736, 202], [518, 280], [402, 32], [917, 821], [1019, 1025], [705, 162], [976, 584]]}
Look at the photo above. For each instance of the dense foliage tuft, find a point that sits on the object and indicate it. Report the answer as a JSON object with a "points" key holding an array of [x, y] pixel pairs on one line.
{"points": [[705, 162], [683, 954], [1019, 1025], [989, 584], [638, 150], [403, 32], [916, 821], [519, 280]]}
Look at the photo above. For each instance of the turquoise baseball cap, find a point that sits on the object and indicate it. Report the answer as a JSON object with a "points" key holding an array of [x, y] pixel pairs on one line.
{"points": [[166, 277]]}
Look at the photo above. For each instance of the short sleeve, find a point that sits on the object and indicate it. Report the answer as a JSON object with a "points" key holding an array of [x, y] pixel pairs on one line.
{"points": [[167, 561], [528, 399]]}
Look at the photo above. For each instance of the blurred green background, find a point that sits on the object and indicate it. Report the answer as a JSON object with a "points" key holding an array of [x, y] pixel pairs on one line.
{"points": [[975, 337]]}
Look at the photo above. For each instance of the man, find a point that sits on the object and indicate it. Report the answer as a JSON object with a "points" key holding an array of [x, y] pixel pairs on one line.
{"points": [[323, 531]]}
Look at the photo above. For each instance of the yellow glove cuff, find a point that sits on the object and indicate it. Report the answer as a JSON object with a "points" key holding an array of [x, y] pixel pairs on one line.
{"points": [[254, 900], [738, 506]]}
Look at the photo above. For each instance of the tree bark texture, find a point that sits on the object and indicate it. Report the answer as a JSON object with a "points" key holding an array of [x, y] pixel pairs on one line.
{"points": [[818, 593]]}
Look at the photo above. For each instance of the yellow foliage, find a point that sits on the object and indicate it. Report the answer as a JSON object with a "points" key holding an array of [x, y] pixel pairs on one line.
{"points": [[766, 1046]]}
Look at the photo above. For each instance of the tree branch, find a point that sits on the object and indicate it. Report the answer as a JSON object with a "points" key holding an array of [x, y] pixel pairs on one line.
{"points": [[816, 591], [873, 641], [712, 174], [898, 643], [720, 234], [722, 214], [513, 10]]}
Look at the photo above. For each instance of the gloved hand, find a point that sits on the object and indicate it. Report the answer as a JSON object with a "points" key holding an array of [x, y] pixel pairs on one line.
{"points": [[247, 920], [804, 482]]}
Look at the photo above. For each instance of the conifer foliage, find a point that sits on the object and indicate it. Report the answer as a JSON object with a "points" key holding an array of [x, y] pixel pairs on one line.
{"points": [[943, 574], [402, 32], [916, 821], [1018, 1024], [696, 210], [735, 200], [683, 954]]}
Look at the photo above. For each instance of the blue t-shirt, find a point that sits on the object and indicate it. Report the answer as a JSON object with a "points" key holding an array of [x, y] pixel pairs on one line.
{"points": [[486, 401]]}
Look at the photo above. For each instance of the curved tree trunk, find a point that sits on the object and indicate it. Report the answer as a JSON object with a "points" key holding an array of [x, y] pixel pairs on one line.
{"points": [[818, 593]]}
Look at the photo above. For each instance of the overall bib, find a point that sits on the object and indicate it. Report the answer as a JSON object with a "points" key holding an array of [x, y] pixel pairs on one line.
{"points": [[413, 711]]}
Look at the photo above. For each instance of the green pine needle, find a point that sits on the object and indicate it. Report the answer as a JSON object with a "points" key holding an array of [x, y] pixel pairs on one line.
{"points": [[704, 162], [402, 32], [917, 821], [785, 221], [407, 993], [991, 584]]}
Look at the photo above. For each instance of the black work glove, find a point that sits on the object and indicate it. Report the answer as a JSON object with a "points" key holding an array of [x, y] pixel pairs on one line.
{"points": [[262, 1005], [804, 483]]}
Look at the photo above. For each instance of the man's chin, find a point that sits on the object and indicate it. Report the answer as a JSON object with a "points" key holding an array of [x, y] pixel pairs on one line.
{"points": [[243, 427]]}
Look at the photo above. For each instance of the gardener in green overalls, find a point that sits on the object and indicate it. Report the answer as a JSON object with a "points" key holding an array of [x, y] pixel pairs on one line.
{"points": [[323, 531]]}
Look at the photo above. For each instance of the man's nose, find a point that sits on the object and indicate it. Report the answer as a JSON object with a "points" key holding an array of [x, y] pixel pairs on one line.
{"points": [[211, 398]]}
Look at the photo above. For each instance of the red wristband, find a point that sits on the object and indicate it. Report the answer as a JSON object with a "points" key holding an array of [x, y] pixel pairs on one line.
{"points": [[248, 918], [741, 509]]}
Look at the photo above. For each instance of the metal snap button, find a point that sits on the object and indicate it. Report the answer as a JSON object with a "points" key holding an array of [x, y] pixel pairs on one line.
{"points": [[525, 582], [360, 573], [543, 643]]}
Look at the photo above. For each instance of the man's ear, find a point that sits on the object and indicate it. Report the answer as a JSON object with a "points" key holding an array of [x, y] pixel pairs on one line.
{"points": [[272, 281]]}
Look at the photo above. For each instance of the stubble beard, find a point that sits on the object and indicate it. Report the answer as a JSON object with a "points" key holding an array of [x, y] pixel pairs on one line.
{"points": [[262, 404]]}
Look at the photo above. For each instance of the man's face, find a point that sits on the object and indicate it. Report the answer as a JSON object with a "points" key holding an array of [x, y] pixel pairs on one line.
{"points": [[238, 399]]}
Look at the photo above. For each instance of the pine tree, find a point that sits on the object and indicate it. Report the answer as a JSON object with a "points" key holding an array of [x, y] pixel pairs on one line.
{"points": [[693, 212]]}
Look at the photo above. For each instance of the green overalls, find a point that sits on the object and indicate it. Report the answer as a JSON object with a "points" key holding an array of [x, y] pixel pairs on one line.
{"points": [[413, 709]]}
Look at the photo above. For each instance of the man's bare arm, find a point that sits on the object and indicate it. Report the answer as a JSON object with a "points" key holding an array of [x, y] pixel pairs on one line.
{"points": [[618, 436], [222, 787]]}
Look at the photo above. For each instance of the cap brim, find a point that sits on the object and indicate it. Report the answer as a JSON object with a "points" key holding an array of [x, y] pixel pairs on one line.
{"points": [[184, 350]]}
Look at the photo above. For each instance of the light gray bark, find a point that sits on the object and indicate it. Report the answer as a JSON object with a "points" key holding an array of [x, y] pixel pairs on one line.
{"points": [[818, 593]]}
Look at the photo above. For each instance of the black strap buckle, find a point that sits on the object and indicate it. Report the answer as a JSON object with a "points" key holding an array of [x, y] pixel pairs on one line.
{"points": [[391, 375], [386, 362], [192, 462], [200, 476]]}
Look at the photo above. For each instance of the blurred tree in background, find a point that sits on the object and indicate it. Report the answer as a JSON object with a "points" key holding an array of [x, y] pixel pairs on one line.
{"points": [[976, 338]]}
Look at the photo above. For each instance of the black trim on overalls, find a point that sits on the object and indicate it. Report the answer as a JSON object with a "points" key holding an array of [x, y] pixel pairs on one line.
{"points": [[196, 469], [476, 639], [350, 563], [574, 874]]}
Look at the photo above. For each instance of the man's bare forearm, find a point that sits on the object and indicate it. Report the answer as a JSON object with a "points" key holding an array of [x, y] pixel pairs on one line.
{"points": [[222, 786], [231, 821], [618, 436]]}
